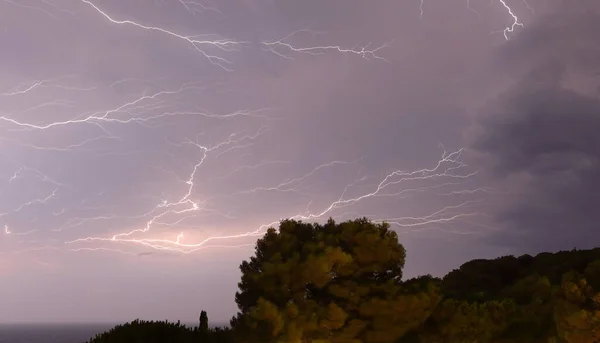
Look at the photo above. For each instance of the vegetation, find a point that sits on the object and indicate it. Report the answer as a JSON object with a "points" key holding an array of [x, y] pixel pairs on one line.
{"points": [[342, 283], [139, 331]]}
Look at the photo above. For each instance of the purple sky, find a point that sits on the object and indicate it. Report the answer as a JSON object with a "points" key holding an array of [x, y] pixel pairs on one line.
{"points": [[145, 145]]}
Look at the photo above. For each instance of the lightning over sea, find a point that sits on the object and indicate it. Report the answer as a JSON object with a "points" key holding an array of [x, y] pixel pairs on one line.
{"points": [[132, 146]]}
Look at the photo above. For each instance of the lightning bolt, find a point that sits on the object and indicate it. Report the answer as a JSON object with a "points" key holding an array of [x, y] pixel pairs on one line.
{"points": [[194, 7], [282, 45], [19, 90], [198, 45], [287, 186], [515, 23], [31, 202], [508, 29], [28, 87], [169, 217], [179, 213], [448, 167]]}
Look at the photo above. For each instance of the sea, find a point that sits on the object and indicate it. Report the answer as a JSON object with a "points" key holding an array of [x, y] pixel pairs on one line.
{"points": [[50, 333]]}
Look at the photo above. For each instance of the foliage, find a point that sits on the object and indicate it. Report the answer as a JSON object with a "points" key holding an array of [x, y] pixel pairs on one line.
{"points": [[139, 331], [334, 282], [577, 311], [203, 322], [545, 298], [343, 283]]}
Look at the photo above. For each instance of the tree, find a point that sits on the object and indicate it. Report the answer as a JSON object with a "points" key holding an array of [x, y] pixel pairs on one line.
{"points": [[140, 331], [577, 312], [533, 320], [462, 321], [203, 321], [333, 282]]}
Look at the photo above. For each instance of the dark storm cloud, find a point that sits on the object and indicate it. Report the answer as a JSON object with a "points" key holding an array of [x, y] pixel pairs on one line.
{"points": [[541, 136]]}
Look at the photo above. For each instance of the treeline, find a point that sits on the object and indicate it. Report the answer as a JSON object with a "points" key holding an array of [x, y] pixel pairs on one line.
{"points": [[342, 282], [140, 331], [546, 298]]}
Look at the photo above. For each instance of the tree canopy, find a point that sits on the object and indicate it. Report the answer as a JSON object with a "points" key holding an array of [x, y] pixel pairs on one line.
{"points": [[332, 282], [342, 282]]}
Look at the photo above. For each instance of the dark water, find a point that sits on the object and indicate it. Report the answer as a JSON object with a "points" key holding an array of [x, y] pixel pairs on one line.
{"points": [[50, 333]]}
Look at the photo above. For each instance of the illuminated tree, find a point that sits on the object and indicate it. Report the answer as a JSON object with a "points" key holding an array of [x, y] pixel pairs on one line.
{"points": [[461, 321], [332, 282], [577, 312]]}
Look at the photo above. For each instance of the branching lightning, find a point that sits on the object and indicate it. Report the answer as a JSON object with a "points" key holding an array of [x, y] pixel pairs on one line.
{"points": [[190, 152], [198, 45], [448, 167], [515, 20], [282, 47], [194, 7]]}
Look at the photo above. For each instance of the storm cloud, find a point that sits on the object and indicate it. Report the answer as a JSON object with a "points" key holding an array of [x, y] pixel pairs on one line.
{"points": [[540, 138]]}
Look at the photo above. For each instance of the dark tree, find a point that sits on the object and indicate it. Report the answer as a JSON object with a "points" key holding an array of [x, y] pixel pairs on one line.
{"points": [[140, 331], [203, 322]]}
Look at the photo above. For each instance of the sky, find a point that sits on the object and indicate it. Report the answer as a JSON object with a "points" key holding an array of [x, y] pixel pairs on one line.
{"points": [[146, 145]]}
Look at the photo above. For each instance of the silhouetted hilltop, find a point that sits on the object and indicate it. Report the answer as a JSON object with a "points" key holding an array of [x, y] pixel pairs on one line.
{"points": [[140, 331], [485, 279]]}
